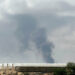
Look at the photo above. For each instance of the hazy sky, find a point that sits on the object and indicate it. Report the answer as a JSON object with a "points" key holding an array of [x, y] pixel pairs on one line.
{"points": [[37, 31]]}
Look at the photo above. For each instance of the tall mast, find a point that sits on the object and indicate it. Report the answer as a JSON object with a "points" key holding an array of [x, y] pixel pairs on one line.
{"points": [[2, 67], [7, 69]]}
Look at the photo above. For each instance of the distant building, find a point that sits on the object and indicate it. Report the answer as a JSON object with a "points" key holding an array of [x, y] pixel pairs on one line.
{"points": [[30, 69], [7, 70]]}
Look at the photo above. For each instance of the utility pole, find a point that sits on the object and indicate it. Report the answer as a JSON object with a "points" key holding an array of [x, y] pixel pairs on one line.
{"points": [[2, 69], [7, 70]]}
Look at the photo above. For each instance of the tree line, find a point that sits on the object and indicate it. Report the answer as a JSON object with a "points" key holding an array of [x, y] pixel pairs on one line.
{"points": [[68, 70]]}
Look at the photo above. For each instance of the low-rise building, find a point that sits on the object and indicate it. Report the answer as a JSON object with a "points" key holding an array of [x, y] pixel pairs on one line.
{"points": [[8, 70]]}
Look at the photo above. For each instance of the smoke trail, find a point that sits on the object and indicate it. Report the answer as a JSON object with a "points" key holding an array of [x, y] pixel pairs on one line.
{"points": [[42, 44], [28, 30]]}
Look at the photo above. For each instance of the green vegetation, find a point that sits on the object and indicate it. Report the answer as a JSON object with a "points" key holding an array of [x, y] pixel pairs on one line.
{"points": [[25, 73], [69, 70], [60, 71]]}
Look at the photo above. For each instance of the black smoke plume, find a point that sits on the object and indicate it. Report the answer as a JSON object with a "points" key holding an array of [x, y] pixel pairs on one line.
{"points": [[28, 30]]}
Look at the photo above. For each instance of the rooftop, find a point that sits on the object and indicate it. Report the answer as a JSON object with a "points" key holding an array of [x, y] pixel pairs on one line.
{"points": [[36, 64]]}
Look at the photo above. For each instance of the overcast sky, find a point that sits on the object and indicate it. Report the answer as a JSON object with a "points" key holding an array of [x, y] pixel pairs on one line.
{"points": [[37, 31]]}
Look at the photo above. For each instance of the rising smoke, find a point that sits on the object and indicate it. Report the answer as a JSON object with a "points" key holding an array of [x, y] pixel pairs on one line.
{"points": [[28, 31]]}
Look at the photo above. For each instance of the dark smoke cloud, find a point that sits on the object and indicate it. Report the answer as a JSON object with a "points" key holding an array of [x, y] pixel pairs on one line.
{"points": [[27, 30], [42, 44]]}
